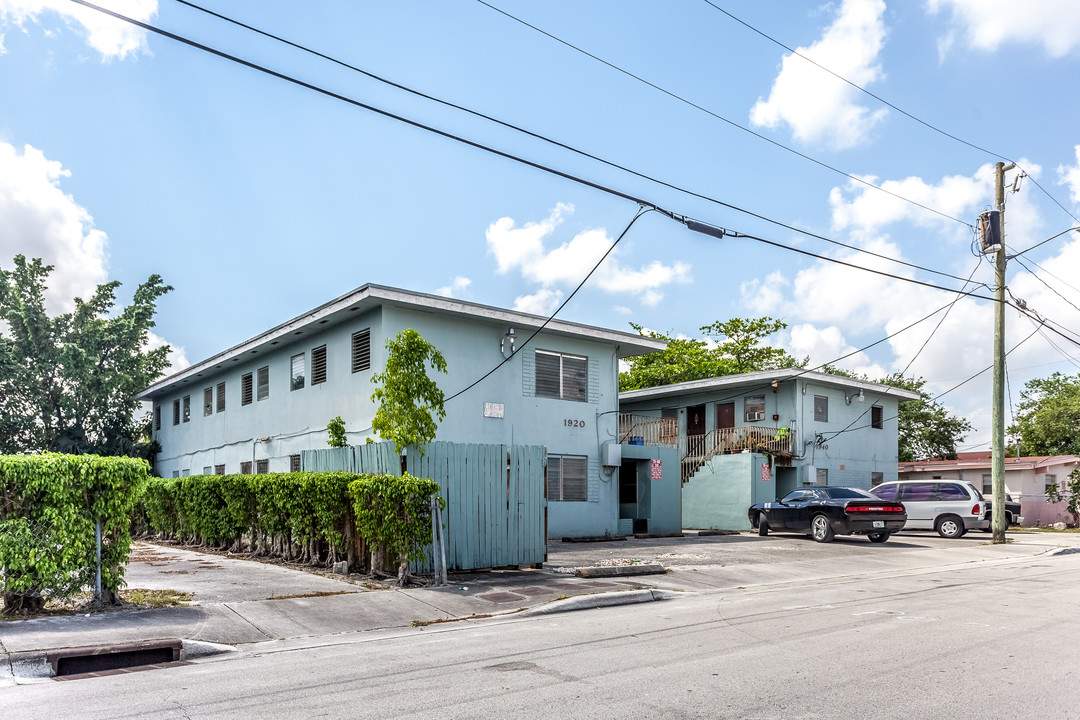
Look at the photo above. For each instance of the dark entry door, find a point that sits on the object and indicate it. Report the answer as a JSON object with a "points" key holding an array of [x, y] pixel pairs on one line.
{"points": [[725, 416], [695, 420]]}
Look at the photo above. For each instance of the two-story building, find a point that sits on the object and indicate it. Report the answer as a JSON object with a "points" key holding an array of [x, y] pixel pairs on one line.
{"points": [[753, 437], [256, 406]]}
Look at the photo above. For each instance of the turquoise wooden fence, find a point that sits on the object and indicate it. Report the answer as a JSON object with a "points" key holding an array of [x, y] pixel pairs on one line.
{"points": [[495, 506], [376, 459]]}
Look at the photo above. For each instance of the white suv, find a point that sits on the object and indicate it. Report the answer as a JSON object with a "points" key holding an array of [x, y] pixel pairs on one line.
{"points": [[951, 507]]}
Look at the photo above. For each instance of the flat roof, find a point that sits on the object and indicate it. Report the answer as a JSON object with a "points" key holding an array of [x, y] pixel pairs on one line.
{"points": [[369, 297], [984, 461], [764, 378]]}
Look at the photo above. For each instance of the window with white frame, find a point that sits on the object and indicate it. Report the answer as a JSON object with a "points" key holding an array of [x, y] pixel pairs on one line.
{"points": [[567, 478], [987, 483], [207, 470], [821, 408], [754, 408], [262, 388], [297, 372], [1051, 481], [562, 376]]}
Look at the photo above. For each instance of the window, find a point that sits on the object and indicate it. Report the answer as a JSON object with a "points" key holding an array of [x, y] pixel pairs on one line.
{"points": [[361, 350], [262, 467], [560, 376], [877, 418], [294, 463], [175, 412], [245, 389], [318, 365], [187, 408], [917, 492], [988, 484], [1051, 481], [822, 476], [262, 390], [949, 491], [221, 397], [876, 479], [185, 473], [219, 469], [245, 467], [157, 417], [754, 407], [821, 408], [206, 470], [566, 478], [176, 473], [297, 364], [208, 401]]}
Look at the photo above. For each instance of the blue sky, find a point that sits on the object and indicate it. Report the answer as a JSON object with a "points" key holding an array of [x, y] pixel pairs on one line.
{"points": [[124, 153]]}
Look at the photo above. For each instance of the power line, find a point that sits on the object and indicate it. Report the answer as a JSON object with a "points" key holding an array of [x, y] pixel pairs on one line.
{"points": [[1048, 287], [724, 119], [898, 109], [1052, 237], [559, 144]]}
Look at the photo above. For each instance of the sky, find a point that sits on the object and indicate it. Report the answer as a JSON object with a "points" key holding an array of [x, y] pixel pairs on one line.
{"points": [[125, 153]]}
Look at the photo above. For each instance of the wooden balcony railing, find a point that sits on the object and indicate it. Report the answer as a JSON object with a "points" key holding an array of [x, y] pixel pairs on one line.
{"points": [[646, 430], [698, 449]]}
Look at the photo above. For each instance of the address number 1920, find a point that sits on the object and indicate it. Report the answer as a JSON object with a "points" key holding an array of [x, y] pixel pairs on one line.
{"points": [[569, 422]]}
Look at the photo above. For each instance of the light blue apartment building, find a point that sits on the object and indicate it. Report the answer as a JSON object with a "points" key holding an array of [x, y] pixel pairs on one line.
{"points": [[256, 406], [750, 438]]}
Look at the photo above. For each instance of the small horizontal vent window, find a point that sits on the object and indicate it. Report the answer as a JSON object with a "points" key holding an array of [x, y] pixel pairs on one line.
{"points": [[245, 389], [361, 350], [263, 387], [318, 365]]}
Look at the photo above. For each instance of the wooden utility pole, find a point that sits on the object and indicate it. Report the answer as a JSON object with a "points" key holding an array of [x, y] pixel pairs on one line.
{"points": [[997, 522]]}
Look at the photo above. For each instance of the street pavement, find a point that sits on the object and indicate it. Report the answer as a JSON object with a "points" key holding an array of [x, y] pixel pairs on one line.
{"points": [[240, 605]]}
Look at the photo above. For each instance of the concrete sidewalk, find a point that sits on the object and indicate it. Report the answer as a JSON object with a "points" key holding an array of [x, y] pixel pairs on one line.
{"points": [[244, 603]]}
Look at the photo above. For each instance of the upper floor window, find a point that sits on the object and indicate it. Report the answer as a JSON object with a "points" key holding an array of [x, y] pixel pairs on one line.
{"points": [[220, 397], [245, 389], [822, 476], [754, 408], [262, 390], [157, 417], [208, 402], [318, 365], [877, 418], [176, 412], [567, 478], [561, 376], [876, 478], [821, 408], [1051, 481], [298, 372], [187, 408], [361, 350]]}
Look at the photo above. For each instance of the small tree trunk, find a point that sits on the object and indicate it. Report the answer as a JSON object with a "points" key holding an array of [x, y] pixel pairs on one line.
{"points": [[403, 574]]}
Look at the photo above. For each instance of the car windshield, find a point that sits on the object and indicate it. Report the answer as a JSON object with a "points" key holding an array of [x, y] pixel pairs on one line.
{"points": [[840, 493]]}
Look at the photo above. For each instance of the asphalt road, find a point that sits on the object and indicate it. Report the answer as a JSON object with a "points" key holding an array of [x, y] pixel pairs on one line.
{"points": [[994, 639]]}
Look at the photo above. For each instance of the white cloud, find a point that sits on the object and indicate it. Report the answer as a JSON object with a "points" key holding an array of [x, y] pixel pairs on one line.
{"points": [[111, 37], [818, 106], [524, 249], [861, 207], [38, 220], [177, 357], [1070, 177], [542, 302], [824, 345], [456, 287], [987, 24]]}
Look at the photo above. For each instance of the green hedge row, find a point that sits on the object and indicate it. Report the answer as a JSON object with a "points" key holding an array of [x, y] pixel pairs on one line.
{"points": [[49, 505]]}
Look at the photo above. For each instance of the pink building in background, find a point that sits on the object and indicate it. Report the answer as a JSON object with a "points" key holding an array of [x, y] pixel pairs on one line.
{"points": [[1026, 480]]}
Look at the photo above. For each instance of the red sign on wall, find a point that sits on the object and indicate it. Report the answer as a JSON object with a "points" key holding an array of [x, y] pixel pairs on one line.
{"points": [[656, 470], [765, 470]]}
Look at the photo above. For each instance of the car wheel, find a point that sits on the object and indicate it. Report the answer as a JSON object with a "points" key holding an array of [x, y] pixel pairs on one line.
{"points": [[1008, 519], [821, 529], [878, 537], [762, 525], [950, 526]]}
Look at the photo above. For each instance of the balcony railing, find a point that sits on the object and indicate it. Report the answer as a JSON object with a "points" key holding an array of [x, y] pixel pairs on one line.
{"points": [[647, 430], [698, 449]]}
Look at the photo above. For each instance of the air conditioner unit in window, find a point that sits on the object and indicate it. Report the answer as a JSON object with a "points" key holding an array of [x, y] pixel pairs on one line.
{"points": [[752, 416]]}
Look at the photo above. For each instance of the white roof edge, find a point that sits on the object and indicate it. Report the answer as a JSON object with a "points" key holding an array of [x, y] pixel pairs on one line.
{"points": [[766, 377], [629, 343]]}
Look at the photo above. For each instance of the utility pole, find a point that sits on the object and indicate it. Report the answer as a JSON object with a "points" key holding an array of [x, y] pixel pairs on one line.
{"points": [[997, 446]]}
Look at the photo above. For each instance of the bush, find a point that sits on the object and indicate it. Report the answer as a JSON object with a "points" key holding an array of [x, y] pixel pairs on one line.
{"points": [[394, 513]]}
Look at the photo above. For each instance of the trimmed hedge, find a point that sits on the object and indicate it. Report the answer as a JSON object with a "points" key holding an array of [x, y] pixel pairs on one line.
{"points": [[49, 505]]}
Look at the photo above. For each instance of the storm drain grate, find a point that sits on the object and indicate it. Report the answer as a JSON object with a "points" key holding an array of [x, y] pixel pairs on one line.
{"points": [[102, 659]]}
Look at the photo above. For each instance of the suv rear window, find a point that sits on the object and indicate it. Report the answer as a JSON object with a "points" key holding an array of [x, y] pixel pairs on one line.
{"points": [[951, 491], [885, 492]]}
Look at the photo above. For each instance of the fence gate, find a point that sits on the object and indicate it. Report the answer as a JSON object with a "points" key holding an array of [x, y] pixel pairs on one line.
{"points": [[495, 505]]}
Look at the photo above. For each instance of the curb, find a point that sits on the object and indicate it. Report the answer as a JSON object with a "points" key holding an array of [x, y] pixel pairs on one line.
{"points": [[590, 602], [620, 571]]}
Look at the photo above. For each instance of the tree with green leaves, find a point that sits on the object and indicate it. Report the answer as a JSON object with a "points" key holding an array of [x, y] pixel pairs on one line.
{"points": [[335, 430], [409, 400], [730, 347], [927, 429], [1048, 417], [68, 383]]}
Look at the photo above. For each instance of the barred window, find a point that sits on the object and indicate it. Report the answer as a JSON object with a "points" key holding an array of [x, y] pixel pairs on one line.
{"points": [[263, 383], [560, 376], [220, 397], [245, 467], [262, 467], [567, 478], [821, 408], [294, 463], [318, 365], [219, 469], [187, 408], [208, 401], [361, 350], [298, 372], [245, 389]]}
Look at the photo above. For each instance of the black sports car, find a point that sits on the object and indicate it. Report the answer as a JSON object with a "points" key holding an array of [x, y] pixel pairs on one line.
{"points": [[827, 511]]}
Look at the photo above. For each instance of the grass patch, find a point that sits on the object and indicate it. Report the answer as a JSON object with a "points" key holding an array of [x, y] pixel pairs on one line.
{"points": [[155, 598], [312, 595]]}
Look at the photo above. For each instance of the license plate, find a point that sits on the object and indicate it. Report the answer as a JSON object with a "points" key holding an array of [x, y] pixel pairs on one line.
{"points": [[879, 523]]}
